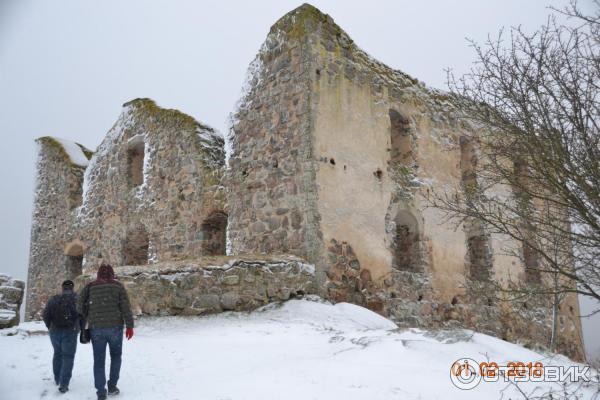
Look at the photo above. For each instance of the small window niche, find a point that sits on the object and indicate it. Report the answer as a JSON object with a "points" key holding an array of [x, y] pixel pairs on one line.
{"points": [[407, 254], [532, 265], [135, 161]]}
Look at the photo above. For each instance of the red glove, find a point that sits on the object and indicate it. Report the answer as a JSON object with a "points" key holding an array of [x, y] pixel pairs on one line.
{"points": [[129, 333]]}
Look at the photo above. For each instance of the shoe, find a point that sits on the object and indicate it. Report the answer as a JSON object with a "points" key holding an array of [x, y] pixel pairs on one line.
{"points": [[63, 389], [101, 397], [113, 391]]}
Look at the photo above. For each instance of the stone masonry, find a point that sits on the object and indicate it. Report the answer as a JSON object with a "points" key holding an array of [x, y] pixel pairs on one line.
{"points": [[333, 156], [11, 297], [213, 284]]}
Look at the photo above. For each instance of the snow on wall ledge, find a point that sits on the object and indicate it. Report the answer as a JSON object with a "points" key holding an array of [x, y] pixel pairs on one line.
{"points": [[212, 284]]}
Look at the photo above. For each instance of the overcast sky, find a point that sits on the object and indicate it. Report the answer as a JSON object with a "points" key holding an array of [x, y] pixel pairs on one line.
{"points": [[66, 67]]}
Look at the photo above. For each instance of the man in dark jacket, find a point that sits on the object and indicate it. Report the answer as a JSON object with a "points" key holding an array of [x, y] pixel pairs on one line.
{"points": [[62, 320], [105, 305]]}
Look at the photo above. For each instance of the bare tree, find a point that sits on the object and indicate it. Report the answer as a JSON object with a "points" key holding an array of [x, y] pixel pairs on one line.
{"points": [[534, 98]]}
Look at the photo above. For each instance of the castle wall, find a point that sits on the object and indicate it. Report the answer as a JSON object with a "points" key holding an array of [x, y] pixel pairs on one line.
{"points": [[162, 209], [57, 180], [151, 193], [334, 157], [380, 143]]}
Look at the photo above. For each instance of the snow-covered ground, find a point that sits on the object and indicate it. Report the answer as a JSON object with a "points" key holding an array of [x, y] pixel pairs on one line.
{"points": [[303, 349]]}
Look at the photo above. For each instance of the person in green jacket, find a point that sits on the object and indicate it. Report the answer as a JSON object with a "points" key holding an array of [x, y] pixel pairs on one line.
{"points": [[104, 304]]}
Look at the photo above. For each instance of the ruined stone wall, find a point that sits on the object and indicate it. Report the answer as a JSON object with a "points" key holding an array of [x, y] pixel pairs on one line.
{"points": [[271, 185], [333, 158], [56, 196], [146, 197], [161, 214], [375, 142], [213, 284], [383, 142]]}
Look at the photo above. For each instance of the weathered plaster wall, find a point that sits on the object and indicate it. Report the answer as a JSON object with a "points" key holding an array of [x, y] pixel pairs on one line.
{"points": [[361, 192]]}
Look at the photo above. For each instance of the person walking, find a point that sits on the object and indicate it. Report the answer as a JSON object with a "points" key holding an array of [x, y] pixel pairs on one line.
{"points": [[62, 320], [104, 304]]}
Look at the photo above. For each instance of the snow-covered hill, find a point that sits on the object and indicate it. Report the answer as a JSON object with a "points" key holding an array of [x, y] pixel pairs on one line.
{"points": [[303, 349]]}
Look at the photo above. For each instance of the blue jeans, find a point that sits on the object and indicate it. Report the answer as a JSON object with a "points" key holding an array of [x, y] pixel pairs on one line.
{"points": [[64, 342], [100, 338]]}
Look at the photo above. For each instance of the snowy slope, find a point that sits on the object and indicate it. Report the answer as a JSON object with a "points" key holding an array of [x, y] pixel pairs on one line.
{"points": [[304, 349]]}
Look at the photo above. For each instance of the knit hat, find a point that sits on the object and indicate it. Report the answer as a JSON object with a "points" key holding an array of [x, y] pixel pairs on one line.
{"points": [[106, 272], [68, 284]]}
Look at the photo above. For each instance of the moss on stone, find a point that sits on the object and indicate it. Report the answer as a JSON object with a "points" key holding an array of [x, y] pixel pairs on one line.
{"points": [[87, 152], [148, 109], [55, 144]]}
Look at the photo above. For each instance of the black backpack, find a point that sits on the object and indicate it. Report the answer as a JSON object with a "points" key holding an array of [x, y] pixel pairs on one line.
{"points": [[64, 314]]}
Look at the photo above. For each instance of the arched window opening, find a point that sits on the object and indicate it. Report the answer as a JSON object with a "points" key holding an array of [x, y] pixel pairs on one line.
{"points": [[407, 255], [136, 247], [135, 161], [401, 141], [214, 232], [74, 260]]}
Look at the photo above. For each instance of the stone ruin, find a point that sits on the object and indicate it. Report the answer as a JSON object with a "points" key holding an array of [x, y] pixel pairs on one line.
{"points": [[332, 157], [11, 297]]}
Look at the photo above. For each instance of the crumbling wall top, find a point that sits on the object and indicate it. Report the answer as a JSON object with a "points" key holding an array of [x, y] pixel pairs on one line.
{"points": [[77, 154]]}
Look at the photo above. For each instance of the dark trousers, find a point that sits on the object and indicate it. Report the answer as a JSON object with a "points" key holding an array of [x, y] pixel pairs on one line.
{"points": [[113, 337], [64, 342]]}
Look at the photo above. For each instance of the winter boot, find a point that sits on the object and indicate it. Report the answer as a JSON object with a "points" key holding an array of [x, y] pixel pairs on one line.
{"points": [[63, 389], [113, 391]]}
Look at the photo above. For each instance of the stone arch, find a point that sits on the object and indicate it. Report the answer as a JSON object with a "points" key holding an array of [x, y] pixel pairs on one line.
{"points": [[402, 152], [74, 259], [407, 254], [135, 250], [214, 234]]}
